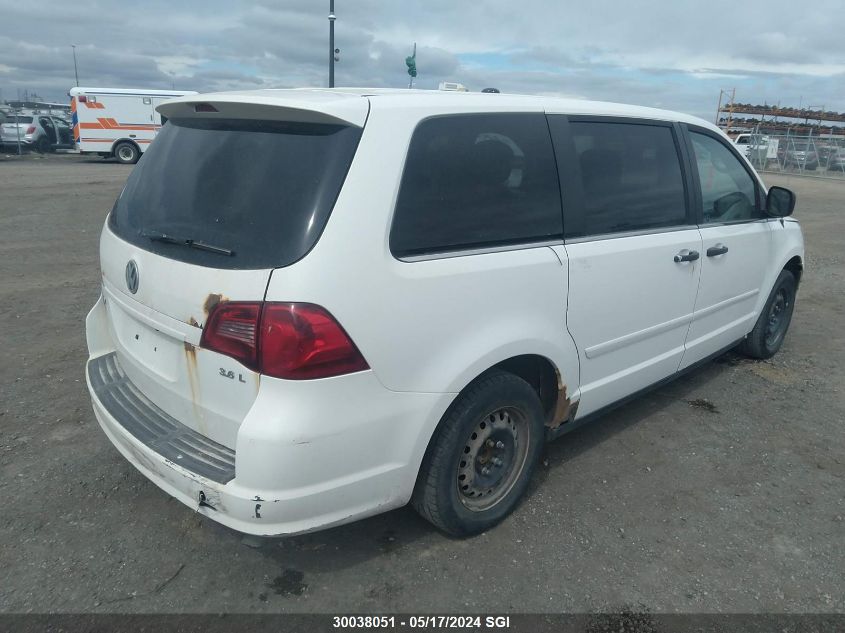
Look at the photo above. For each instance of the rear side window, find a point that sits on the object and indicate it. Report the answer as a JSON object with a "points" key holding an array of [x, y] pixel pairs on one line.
{"points": [[258, 192], [728, 192], [630, 176], [474, 181]]}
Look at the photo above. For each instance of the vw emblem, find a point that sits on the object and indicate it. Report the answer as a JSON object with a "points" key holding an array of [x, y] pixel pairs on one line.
{"points": [[132, 276]]}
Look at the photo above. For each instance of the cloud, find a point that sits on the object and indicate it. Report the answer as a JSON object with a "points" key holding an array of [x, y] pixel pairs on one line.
{"points": [[676, 55]]}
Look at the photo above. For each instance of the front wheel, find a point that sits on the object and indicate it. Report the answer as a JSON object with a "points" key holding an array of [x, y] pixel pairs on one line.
{"points": [[481, 458], [127, 153], [767, 336]]}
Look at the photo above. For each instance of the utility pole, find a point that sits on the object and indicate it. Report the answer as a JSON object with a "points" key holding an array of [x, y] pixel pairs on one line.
{"points": [[75, 70], [331, 43]]}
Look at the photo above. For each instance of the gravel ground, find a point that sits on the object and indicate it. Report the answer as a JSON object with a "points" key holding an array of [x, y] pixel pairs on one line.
{"points": [[721, 492]]}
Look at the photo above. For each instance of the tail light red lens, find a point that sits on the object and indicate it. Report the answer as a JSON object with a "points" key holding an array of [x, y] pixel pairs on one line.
{"points": [[302, 340], [294, 341], [232, 329], [82, 98], [30, 129]]}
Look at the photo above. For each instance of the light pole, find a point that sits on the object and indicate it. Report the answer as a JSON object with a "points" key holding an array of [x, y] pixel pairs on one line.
{"points": [[75, 70], [331, 43]]}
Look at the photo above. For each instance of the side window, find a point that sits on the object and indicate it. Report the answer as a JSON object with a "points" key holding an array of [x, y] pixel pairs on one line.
{"points": [[728, 192], [477, 180], [631, 178]]}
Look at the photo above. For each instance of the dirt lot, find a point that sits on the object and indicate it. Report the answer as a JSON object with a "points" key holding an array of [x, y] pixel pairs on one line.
{"points": [[720, 492]]}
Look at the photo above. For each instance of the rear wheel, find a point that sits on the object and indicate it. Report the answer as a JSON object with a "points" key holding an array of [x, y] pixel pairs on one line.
{"points": [[767, 336], [43, 146], [127, 153], [481, 458]]}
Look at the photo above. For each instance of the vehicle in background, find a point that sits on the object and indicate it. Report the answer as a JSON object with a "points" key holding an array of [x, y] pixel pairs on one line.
{"points": [[747, 141], [836, 160], [758, 149], [117, 122], [801, 154], [39, 132]]}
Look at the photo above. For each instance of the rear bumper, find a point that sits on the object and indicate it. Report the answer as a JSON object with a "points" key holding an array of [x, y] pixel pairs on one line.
{"points": [[7, 140], [309, 454]]}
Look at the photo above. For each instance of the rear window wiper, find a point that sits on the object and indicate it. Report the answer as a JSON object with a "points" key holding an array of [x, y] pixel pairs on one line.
{"points": [[159, 236]]}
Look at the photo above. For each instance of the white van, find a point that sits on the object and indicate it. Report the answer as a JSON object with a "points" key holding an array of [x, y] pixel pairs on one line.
{"points": [[358, 299], [117, 122]]}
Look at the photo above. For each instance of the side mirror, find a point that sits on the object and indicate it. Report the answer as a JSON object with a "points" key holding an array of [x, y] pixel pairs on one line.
{"points": [[780, 202]]}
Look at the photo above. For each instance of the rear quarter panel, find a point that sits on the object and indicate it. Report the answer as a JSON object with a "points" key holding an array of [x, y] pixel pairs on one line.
{"points": [[426, 326]]}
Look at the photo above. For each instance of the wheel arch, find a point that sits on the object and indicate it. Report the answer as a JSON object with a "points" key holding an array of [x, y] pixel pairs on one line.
{"points": [[788, 254], [556, 395], [546, 380], [796, 266]]}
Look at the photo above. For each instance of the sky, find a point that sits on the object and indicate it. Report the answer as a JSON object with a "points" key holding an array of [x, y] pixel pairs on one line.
{"points": [[674, 54]]}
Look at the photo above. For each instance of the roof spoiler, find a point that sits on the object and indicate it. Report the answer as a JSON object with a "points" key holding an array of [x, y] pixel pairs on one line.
{"points": [[287, 106]]}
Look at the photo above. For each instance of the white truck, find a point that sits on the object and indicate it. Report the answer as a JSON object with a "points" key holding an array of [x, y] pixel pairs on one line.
{"points": [[759, 149], [118, 122]]}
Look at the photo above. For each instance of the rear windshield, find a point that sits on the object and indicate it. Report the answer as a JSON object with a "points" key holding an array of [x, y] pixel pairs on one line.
{"points": [[18, 119], [258, 193]]}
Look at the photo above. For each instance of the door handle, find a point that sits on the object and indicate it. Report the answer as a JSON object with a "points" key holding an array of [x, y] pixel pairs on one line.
{"points": [[686, 256], [719, 249]]}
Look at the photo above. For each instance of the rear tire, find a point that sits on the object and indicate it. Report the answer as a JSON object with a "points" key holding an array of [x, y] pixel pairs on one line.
{"points": [[767, 336], [43, 146], [480, 460], [127, 153]]}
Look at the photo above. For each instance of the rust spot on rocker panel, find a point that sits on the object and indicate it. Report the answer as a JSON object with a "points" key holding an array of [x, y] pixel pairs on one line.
{"points": [[564, 409], [193, 321]]}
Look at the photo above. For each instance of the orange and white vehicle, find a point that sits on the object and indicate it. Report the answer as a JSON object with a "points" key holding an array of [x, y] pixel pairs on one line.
{"points": [[118, 122]]}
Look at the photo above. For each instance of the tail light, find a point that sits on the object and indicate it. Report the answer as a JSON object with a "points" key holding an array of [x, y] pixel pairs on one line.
{"points": [[30, 130], [232, 329], [294, 341], [82, 99]]}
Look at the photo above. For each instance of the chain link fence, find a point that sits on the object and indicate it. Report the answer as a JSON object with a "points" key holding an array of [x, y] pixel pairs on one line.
{"points": [[813, 154]]}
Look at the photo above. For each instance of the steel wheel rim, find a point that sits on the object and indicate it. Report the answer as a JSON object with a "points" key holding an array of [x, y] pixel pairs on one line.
{"points": [[777, 318], [125, 153], [492, 459]]}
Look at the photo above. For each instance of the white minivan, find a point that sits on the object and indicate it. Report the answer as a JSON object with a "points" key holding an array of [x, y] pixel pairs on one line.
{"points": [[318, 305]]}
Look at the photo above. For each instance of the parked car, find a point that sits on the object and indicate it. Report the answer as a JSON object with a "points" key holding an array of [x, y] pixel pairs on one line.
{"points": [[42, 133], [801, 154], [836, 159], [391, 300]]}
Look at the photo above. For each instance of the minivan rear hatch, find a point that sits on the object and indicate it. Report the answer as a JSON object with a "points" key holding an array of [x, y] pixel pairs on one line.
{"points": [[228, 191]]}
